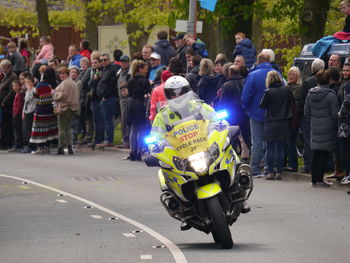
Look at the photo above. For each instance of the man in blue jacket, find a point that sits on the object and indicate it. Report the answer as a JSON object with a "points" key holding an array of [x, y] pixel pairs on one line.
{"points": [[253, 92], [163, 48], [73, 56]]}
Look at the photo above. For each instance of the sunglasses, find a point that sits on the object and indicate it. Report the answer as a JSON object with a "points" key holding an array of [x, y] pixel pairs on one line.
{"points": [[104, 59]]}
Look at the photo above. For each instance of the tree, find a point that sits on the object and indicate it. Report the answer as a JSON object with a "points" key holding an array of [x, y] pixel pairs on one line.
{"points": [[43, 18], [313, 18]]}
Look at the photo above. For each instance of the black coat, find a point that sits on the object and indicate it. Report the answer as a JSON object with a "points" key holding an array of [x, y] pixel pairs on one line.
{"points": [[193, 78], [277, 101], [107, 85], [138, 87], [230, 100], [309, 83], [321, 107], [207, 88], [344, 113]]}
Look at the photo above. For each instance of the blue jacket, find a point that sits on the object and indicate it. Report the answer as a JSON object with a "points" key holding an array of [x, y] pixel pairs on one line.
{"points": [[165, 50], [253, 91], [75, 61], [246, 49]]}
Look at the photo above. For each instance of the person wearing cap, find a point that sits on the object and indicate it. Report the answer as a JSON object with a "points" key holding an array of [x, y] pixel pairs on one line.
{"points": [[181, 48], [163, 48], [155, 66], [123, 75]]}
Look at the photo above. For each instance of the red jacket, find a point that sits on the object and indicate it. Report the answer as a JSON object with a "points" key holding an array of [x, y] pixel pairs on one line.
{"points": [[18, 103], [157, 96]]}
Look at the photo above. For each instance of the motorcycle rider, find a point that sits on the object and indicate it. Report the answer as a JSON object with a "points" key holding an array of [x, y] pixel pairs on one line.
{"points": [[183, 104]]}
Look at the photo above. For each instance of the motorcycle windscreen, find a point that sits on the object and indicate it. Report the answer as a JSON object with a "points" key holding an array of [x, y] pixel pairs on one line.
{"points": [[189, 137]]}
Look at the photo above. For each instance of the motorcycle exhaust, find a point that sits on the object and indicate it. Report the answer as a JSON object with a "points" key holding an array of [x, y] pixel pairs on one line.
{"points": [[244, 182]]}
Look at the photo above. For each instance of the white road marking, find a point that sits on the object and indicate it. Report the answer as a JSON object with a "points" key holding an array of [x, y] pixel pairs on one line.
{"points": [[128, 235], [61, 201], [96, 216], [146, 257], [175, 251]]}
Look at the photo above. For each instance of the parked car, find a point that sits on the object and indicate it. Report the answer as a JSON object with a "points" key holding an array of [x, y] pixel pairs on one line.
{"points": [[304, 60]]}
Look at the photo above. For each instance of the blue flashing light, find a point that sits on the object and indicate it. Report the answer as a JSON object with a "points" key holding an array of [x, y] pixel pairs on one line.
{"points": [[221, 115], [151, 139]]}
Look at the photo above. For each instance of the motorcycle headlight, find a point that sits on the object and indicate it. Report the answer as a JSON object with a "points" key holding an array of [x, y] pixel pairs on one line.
{"points": [[199, 162], [214, 151]]}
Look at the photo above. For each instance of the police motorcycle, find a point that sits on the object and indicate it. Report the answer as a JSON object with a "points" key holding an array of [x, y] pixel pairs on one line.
{"points": [[204, 185]]}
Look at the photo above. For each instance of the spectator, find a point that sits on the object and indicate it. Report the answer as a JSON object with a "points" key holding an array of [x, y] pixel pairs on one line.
{"points": [[334, 61], [7, 96], [75, 123], [272, 59], [92, 82], [253, 92], [220, 61], [230, 99], [245, 48], [175, 67], [73, 56], [23, 50], [146, 52], [106, 91], [309, 83], [44, 128], [28, 113], [85, 50], [321, 107], [155, 66], [344, 127], [277, 101], [189, 55], [46, 51], [84, 65], [240, 62], [158, 96], [207, 85], [53, 63], [345, 9], [193, 76], [294, 83], [197, 45], [117, 54], [163, 48], [16, 59], [123, 76], [181, 48], [17, 116], [138, 87], [66, 97], [335, 83]]}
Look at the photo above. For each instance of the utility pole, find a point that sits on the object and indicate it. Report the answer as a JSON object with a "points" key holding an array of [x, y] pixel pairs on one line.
{"points": [[192, 18]]}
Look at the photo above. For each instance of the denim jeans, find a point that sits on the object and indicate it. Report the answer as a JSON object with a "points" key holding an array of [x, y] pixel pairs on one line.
{"points": [[97, 116], [137, 132], [108, 110], [307, 155], [275, 154], [258, 144]]}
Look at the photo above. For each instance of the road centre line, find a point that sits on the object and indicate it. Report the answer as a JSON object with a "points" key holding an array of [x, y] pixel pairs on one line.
{"points": [[61, 201], [145, 257], [96, 216], [128, 235], [175, 251]]}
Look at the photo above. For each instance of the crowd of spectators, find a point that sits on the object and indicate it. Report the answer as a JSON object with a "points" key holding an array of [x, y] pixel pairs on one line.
{"points": [[48, 100]]}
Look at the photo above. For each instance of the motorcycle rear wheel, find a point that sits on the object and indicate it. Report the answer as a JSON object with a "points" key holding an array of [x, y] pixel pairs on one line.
{"points": [[221, 232]]}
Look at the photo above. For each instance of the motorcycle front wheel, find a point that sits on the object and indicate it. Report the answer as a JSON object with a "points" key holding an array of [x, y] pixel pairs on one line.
{"points": [[220, 231]]}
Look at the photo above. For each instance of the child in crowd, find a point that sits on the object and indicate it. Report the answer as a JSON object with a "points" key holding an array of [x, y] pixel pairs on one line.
{"points": [[345, 9], [244, 48], [28, 113], [17, 116]]}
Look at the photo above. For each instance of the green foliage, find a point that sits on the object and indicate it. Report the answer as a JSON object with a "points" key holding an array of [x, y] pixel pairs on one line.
{"points": [[336, 19]]}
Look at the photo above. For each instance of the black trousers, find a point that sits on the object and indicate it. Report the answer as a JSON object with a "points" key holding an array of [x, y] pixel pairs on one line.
{"points": [[318, 165], [344, 150], [7, 137], [17, 130], [27, 127]]}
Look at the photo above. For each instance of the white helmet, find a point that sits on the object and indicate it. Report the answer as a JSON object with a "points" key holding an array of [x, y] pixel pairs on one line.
{"points": [[176, 86]]}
